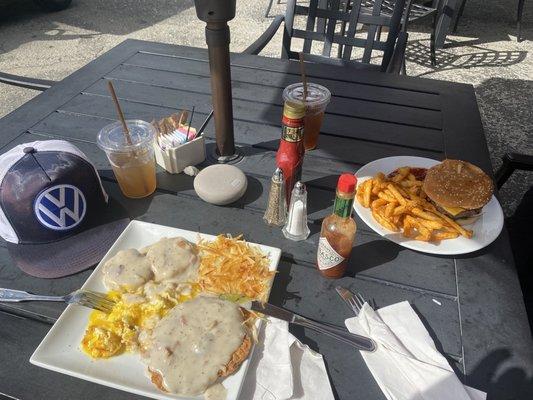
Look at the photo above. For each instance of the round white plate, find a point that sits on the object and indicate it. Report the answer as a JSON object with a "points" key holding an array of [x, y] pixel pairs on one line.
{"points": [[486, 228]]}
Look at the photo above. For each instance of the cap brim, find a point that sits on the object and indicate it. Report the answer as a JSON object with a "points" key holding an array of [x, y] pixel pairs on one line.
{"points": [[68, 256]]}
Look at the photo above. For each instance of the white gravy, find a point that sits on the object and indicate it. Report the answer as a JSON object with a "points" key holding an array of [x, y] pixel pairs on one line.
{"points": [[173, 259], [193, 342], [127, 270], [196, 338], [159, 267]]}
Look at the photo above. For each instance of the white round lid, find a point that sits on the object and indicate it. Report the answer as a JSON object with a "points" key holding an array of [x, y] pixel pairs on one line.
{"points": [[220, 184]]}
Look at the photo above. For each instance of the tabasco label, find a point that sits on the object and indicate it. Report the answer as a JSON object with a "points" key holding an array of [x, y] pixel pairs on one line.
{"points": [[327, 257]]}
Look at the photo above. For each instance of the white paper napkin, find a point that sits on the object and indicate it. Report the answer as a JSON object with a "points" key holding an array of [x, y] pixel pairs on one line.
{"points": [[406, 364], [283, 368]]}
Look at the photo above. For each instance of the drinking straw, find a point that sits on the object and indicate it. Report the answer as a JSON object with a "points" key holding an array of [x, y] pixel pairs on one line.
{"points": [[302, 73], [125, 129], [190, 122], [202, 128], [120, 114]]}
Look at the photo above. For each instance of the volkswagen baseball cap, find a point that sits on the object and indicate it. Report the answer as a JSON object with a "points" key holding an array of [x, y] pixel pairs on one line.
{"points": [[54, 211]]}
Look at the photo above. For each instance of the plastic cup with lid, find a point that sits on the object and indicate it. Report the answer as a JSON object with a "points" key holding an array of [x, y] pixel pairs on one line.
{"points": [[318, 98], [132, 160]]}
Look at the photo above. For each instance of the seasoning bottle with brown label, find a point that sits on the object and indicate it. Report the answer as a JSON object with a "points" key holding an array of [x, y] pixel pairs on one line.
{"points": [[290, 155], [338, 231]]}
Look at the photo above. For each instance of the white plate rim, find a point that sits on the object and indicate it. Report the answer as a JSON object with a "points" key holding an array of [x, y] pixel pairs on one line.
{"points": [[438, 249], [35, 359]]}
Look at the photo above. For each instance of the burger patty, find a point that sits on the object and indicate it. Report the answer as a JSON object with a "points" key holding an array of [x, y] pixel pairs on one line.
{"points": [[462, 214]]}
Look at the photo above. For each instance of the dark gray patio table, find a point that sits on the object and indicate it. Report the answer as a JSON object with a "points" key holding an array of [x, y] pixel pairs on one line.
{"points": [[471, 305]]}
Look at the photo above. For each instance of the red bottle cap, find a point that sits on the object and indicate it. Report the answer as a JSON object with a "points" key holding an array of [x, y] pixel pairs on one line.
{"points": [[347, 183]]}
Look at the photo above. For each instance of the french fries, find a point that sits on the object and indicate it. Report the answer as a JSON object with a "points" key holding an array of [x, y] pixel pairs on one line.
{"points": [[378, 203], [367, 192], [396, 193], [399, 204], [387, 223], [389, 209], [445, 235], [385, 196]]}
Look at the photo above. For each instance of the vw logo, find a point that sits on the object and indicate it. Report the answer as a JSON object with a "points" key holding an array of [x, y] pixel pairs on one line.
{"points": [[60, 207]]}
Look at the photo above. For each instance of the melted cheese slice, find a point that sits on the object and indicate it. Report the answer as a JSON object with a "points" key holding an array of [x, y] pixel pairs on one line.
{"points": [[454, 210]]}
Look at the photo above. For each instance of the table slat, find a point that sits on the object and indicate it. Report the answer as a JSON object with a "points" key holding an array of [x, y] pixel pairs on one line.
{"points": [[275, 79], [362, 124], [257, 92]]}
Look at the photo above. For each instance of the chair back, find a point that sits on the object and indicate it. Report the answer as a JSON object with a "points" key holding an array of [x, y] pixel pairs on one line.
{"points": [[334, 22]]}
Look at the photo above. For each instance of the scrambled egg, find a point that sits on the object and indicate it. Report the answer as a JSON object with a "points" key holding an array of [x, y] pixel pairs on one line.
{"points": [[229, 267], [114, 333]]}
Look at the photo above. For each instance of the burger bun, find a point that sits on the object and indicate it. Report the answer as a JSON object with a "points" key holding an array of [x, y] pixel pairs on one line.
{"points": [[456, 183]]}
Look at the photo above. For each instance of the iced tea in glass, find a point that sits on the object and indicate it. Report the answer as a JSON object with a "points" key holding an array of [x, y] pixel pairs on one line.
{"points": [[316, 102], [133, 163]]}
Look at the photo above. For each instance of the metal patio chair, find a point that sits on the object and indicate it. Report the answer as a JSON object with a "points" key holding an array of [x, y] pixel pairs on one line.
{"points": [[519, 14], [417, 12], [25, 82], [322, 20], [512, 162], [519, 226]]}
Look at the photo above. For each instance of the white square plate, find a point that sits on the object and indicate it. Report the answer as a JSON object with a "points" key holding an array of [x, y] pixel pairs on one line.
{"points": [[59, 351]]}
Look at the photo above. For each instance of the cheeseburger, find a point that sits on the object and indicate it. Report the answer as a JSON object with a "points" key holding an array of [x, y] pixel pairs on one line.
{"points": [[458, 189]]}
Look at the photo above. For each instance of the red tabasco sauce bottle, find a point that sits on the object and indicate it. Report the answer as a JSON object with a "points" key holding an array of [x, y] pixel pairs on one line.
{"points": [[338, 231], [291, 150]]}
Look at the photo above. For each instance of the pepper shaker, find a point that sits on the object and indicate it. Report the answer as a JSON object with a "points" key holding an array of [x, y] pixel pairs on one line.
{"points": [[276, 211], [296, 227]]}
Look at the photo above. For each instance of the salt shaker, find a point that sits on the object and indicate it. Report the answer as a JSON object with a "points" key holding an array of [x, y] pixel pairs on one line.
{"points": [[296, 227], [276, 211]]}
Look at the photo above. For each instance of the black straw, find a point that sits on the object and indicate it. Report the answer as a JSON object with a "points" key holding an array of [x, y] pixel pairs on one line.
{"points": [[190, 122], [204, 125]]}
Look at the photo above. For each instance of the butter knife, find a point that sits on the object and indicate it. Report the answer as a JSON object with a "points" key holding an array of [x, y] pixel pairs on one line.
{"points": [[357, 341]]}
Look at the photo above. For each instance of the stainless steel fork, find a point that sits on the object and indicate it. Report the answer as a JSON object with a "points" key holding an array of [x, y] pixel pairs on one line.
{"points": [[86, 298], [354, 301]]}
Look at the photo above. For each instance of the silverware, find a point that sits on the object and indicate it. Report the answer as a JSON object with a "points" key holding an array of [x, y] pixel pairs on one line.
{"points": [[87, 298], [354, 301], [357, 341]]}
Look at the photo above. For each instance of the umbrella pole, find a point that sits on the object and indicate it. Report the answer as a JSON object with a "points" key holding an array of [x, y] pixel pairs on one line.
{"points": [[216, 14]]}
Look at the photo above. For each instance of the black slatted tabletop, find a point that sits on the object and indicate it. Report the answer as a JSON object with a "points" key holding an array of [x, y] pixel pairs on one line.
{"points": [[471, 305]]}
